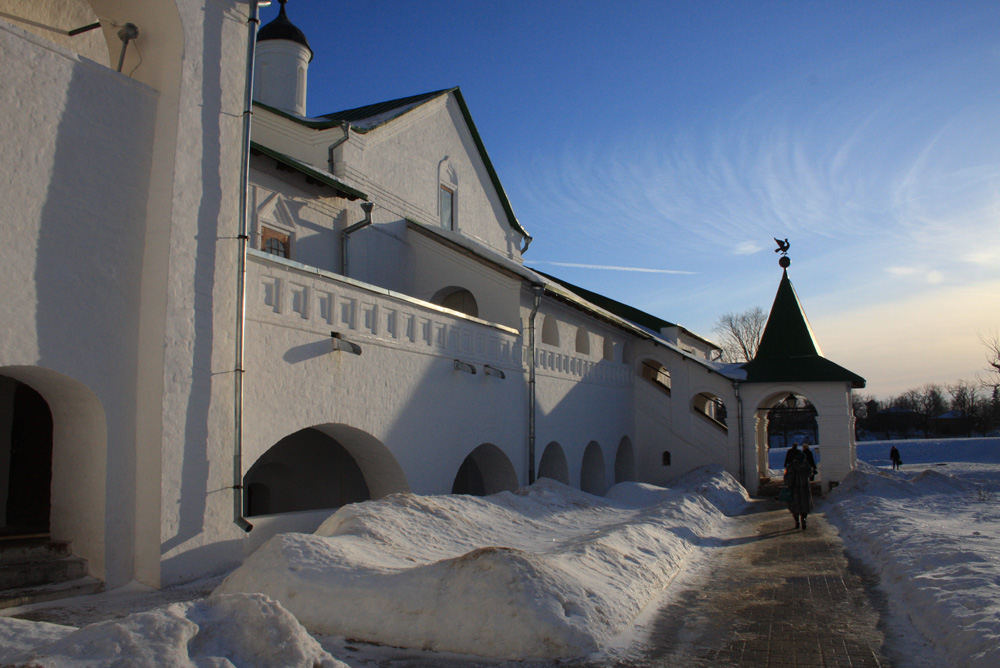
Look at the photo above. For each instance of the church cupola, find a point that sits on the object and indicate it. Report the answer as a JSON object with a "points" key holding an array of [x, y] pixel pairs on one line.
{"points": [[282, 65]]}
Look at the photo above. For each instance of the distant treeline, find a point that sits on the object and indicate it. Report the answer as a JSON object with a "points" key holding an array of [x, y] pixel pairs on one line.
{"points": [[962, 409]]}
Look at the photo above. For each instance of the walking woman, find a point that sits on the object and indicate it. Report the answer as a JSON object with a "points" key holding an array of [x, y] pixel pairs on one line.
{"points": [[797, 481]]}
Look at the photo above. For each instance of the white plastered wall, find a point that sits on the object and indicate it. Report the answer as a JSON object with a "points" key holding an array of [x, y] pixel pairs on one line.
{"points": [[71, 270], [403, 163], [667, 423], [580, 397]]}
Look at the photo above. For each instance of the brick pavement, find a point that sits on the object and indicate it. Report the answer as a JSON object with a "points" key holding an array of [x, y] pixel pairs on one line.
{"points": [[773, 597]]}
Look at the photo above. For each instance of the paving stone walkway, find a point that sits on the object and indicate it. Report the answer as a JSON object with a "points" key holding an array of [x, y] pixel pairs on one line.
{"points": [[773, 597]]}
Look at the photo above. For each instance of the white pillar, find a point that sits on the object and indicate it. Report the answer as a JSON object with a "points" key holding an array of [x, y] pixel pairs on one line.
{"points": [[837, 449]]}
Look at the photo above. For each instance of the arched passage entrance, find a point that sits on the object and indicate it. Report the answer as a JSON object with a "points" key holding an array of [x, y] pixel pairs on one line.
{"points": [[25, 460], [53, 460], [486, 470], [782, 418]]}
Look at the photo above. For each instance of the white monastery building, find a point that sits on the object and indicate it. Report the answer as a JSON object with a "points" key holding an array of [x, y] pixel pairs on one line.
{"points": [[220, 325]]}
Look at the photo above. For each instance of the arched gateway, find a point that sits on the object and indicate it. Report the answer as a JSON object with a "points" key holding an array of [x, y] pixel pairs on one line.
{"points": [[789, 362]]}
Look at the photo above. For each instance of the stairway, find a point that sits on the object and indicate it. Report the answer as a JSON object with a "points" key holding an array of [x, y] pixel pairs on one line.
{"points": [[37, 569]]}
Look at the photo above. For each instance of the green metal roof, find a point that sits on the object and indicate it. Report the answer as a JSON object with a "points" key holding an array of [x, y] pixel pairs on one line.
{"points": [[321, 177], [788, 350], [625, 311], [367, 118]]}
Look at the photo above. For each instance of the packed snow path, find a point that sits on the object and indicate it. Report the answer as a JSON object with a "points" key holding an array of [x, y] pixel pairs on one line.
{"points": [[772, 595]]}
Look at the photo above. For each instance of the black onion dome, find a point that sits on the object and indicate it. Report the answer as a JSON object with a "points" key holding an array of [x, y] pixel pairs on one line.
{"points": [[282, 28]]}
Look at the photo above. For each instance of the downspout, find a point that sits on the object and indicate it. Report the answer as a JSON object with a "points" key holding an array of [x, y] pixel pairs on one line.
{"points": [[739, 421], [367, 208], [537, 290], [241, 270], [346, 127]]}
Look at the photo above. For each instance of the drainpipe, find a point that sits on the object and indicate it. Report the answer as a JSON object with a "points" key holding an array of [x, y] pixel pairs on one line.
{"points": [[241, 269], [367, 208], [739, 420], [537, 290], [346, 127]]}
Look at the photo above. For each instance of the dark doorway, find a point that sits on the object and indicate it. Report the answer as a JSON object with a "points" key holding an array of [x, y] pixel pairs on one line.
{"points": [[469, 479], [25, 459]]}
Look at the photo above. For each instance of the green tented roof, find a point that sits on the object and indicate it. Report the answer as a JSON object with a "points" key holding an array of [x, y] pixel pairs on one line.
{"points": [[788, 350]]}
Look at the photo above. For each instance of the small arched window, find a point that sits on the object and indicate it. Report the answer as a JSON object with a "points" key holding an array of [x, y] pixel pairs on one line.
{"points": [[609, 349], [550, 330], [582, 340], [457, 299]]}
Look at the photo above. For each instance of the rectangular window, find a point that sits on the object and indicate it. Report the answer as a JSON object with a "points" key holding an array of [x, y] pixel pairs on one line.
{"points": [[275, 242], [447, 208]]}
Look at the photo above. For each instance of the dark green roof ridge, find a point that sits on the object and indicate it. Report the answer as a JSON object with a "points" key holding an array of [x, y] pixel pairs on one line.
{"points": [[788, 351]]}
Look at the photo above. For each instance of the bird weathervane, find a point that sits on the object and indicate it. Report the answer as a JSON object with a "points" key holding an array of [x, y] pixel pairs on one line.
{"points": [[782, 248]]}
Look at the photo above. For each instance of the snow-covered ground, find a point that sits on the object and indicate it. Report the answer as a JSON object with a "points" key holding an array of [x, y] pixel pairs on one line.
{"points": [[548, 572], [932, 530]]}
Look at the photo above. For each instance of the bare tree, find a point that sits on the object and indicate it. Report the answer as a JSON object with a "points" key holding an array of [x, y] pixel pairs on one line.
{"points": [[991, 340], [739, 334]]}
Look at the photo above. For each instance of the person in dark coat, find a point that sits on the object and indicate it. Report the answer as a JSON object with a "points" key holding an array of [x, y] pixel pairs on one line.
{"points": [[797, 481], [794, 453], [810, 459], [894, 456]]}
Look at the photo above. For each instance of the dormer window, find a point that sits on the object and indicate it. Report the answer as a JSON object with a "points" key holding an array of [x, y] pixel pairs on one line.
{"points": [[447, 203]]}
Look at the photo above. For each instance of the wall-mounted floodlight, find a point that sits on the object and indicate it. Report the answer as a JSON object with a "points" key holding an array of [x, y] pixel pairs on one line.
{"points": [[126, 34], [465, 366], [344, 345], [490, 371]]}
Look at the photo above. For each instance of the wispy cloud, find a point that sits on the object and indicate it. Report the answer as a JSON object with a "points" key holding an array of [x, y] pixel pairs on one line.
{"points": [[645, 270]]}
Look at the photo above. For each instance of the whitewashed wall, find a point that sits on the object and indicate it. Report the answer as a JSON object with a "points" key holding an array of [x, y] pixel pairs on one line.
{"points": [[403, 391], [403, 163], [76, 166]]}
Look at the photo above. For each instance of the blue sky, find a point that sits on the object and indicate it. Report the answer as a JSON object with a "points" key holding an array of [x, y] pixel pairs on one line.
{"points": [[673, 140]]}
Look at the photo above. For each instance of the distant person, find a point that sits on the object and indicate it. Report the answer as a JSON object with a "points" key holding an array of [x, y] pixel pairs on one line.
{"points": [[797, 481], [894, 456], [810, 460]]}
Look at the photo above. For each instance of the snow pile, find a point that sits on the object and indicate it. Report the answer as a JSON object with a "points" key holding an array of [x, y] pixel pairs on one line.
{"points": [[935, 537], [231, 630], [548, 571]]}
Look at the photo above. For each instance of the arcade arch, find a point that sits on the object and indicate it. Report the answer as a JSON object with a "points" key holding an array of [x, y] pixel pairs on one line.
{"points": [[486, 470], [326, 466], [593, 473], [553, 464], [625, 461]]}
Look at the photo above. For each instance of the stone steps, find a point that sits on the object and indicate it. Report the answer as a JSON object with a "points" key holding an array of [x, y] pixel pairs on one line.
{"points": [[39, 569]]}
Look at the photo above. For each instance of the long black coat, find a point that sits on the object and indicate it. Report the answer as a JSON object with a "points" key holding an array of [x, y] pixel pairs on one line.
{"points": [[797, 480]]}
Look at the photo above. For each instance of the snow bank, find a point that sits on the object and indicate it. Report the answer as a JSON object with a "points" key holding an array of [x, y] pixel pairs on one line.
{"points": [[548, 571], [232, 630], [935, 538]]}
